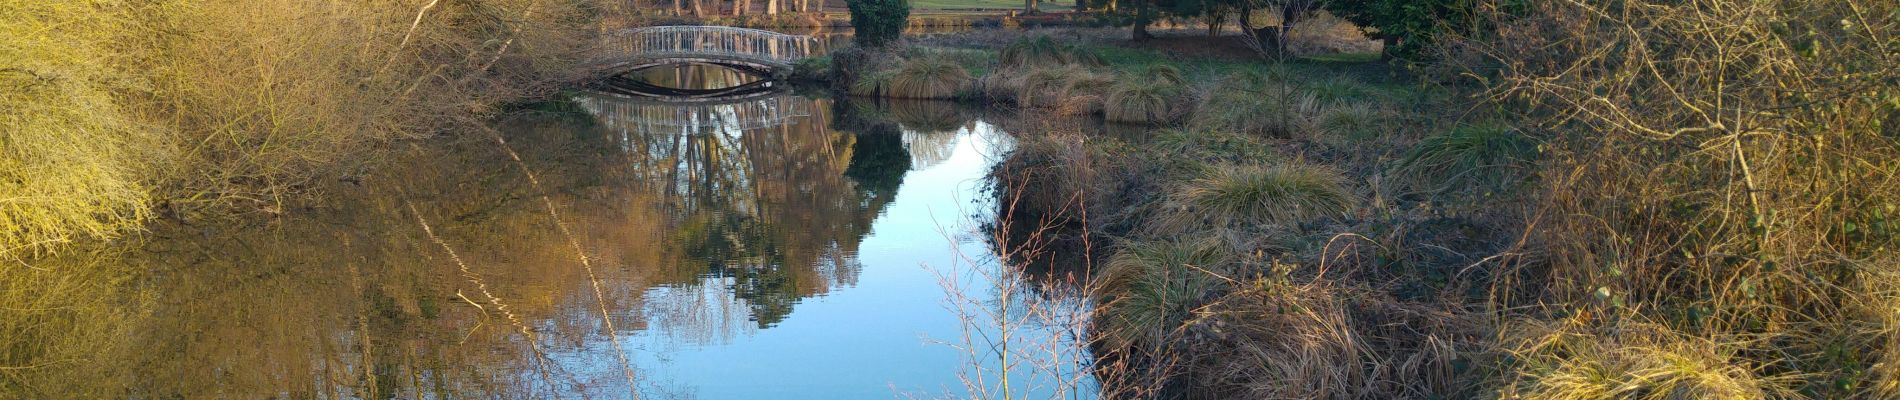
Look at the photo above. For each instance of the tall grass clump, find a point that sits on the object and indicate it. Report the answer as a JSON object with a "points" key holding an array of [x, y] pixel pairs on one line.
{"points": [[1283, 195], [1148, 290], [1288, 341], [928, 77], [1257, 104], [1049, 179], [1042, 51], [1133, 100], [1354, 122], [1065, 90], [872, 85], [1163, 73], [1489, 156]]}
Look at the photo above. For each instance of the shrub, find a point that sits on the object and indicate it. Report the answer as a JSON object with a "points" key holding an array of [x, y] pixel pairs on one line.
{"points": [[1739, 209], [812, 68], [878, 22], [231, 106], [213, 108], [74, 159]]}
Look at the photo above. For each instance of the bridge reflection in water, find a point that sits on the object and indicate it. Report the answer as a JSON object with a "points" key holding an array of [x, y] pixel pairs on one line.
{"points": [[628, 115]]}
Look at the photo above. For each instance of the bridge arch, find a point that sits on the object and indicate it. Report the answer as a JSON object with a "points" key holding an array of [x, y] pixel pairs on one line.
{"points": [[748, 49]]}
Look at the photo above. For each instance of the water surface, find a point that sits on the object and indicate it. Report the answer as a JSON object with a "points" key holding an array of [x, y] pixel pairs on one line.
{"points": [[778, 246]]}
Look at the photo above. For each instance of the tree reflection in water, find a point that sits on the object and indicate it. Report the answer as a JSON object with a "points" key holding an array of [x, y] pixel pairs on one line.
{"points": [[703, 231]]}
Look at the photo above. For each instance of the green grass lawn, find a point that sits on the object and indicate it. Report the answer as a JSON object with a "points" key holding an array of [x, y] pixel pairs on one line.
{"points": [[987, 4]]}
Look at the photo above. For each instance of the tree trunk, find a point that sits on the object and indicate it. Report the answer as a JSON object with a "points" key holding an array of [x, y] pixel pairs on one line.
{"points": [[1214, 21], [1271, 40], [698, 10], [1143, 17], [1030, 7], [771, 7]]}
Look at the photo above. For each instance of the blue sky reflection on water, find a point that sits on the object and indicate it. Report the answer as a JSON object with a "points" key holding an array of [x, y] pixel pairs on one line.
{"points": [[887, 332]]}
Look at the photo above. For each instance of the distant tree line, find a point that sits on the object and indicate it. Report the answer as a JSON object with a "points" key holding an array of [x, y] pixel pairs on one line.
{"points": [[1404, 25]]}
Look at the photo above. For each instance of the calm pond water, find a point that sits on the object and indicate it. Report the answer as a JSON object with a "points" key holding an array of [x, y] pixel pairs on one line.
{"points": [[775, 247]]}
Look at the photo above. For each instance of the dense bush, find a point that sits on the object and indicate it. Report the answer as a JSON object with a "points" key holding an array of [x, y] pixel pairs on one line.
{"points": [[878, 22], [112, 105], [113, 111], [1724, 169]]}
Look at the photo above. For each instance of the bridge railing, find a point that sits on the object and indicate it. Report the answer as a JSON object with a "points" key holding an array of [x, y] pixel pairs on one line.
{"points": [[708, 41]]}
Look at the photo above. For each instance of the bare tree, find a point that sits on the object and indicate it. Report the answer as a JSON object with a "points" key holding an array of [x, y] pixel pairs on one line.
{"points": [[1270, 40]]}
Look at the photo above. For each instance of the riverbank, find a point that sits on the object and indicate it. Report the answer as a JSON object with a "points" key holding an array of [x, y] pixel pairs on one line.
{"points": [[1331, 227], [1198, 195]]}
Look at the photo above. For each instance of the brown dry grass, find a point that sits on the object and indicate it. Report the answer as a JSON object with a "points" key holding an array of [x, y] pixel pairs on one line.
{"points": [[1699, 194]]}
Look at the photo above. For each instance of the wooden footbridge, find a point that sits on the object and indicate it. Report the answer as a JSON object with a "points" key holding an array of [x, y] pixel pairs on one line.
{"points": [[763, 52]]}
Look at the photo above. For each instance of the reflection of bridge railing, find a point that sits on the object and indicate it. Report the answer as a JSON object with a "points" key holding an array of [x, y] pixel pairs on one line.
{"points": [[740, 115], [640, 47]]}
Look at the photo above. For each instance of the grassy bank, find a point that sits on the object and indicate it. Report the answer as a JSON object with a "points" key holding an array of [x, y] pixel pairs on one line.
{"points": [[1532, 218]]}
